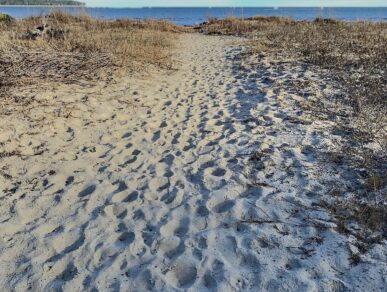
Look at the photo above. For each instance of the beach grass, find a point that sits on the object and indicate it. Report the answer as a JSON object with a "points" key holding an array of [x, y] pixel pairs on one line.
{"points": [[65, 48]]}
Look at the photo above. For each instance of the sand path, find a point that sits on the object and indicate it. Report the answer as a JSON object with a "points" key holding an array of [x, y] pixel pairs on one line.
{"points": [[154, 185]]}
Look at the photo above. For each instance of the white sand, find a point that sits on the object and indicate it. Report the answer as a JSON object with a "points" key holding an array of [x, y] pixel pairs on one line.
{"points": [[146, 185]]}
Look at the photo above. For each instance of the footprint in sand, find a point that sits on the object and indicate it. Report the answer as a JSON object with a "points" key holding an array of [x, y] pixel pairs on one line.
{"points": [[69, 181], [219, 172], [184, 272], [126, 238], [87, 191]]}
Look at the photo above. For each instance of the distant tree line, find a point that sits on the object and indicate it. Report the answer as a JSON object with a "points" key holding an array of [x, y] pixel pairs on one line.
{"points": [[41, 2]]}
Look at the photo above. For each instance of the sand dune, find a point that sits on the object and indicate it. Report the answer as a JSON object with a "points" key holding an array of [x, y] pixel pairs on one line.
{"points": [[152, 185]]}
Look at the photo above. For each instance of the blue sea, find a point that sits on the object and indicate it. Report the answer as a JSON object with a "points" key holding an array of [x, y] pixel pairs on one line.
{"points": [[192, 16]]}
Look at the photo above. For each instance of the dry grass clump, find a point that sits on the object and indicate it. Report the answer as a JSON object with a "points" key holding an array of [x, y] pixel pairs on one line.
{"points": [[373, 219], [238, 26], [66, 48]]}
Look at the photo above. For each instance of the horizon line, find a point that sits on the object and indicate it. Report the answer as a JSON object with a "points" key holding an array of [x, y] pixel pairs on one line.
{"points": [[143, 7]]}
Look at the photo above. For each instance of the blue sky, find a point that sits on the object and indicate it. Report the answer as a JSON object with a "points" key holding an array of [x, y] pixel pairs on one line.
{"points": [[258, 3]]}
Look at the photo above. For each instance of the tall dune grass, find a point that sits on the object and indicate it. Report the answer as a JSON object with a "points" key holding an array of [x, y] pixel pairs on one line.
{"points": [[76, 48]]}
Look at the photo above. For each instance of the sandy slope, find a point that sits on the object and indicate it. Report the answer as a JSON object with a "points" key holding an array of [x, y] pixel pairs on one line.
{"points": [[150, 185]]}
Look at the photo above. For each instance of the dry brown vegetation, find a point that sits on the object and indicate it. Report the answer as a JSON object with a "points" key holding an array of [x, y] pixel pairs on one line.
{"points": [[74, 48], [238, 26], [352, 58]]}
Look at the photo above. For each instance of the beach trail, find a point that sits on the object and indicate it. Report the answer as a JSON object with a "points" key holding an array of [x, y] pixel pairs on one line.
{"points": [[201, 179]]}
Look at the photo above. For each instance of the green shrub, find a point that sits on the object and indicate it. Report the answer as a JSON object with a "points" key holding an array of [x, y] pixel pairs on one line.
{"points": [[5, 18]]}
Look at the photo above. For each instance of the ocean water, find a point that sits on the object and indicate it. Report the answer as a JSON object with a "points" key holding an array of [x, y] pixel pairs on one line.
{"points": [[192, 16]]}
